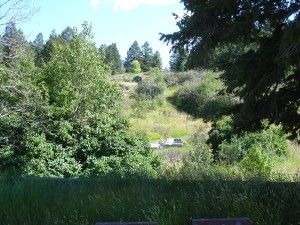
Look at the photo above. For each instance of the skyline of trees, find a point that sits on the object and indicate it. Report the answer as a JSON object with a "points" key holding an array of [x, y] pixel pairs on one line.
{"points": [[144, 54]]}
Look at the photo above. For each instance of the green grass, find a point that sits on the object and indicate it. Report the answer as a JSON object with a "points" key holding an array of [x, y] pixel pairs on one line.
{"points": [[163, 121], [292, 162], [167, 122], [62, 201]]}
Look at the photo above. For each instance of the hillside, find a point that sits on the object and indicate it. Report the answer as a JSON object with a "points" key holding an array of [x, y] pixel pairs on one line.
{"points": [[163, 120]]}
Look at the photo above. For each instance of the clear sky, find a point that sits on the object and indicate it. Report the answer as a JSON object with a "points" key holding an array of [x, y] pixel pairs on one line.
{"points": [[113, 21]]}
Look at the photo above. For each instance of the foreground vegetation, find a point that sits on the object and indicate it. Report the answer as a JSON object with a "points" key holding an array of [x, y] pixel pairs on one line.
{"points": [[55, 201], [64, 119]]}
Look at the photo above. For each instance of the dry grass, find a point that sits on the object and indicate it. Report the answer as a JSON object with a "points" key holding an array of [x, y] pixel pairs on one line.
{"points": [[166, 122], [292, 162]]}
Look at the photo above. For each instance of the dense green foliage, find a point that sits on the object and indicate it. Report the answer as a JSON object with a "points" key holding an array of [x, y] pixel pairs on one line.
{"points": [[255, 152], [61, 116], [200, 97], [62, 119], [113, 58], [135, 67], [152, 86], [222, 130], [178, 61], [144, 55], [254, 44]]}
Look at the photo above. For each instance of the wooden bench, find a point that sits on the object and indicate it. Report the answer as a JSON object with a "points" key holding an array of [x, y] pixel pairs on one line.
{"points": [[222, 221], [126, 223]]}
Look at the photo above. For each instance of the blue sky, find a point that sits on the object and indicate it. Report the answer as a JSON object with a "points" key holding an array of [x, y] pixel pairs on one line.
{"points": [[114, 21]]}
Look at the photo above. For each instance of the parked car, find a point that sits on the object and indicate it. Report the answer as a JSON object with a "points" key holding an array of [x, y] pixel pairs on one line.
{"points": [[156, 145], [174, 142]]}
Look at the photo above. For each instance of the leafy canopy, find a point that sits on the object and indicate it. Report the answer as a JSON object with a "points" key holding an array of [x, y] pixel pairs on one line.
{"points": [[62, 119], [255, 45]]}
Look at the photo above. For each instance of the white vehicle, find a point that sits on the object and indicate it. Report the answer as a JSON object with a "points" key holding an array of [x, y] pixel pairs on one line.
{"points": [[174, 142], [156, 145]]}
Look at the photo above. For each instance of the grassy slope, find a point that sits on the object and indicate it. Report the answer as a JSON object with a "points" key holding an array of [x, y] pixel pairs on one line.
{"points": [[165, 121]]}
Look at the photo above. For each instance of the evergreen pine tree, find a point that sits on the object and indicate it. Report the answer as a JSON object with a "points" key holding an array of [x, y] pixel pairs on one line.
{"points": [[147, 57], [156, 61], [113, 59], [134, 53]]}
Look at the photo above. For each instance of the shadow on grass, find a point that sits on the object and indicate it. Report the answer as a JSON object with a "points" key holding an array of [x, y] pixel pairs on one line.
{"points": [[86, 201]]}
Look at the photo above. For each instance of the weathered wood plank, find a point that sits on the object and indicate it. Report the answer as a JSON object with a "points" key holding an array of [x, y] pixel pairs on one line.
{"points": [[222, 221], [126, 223]]}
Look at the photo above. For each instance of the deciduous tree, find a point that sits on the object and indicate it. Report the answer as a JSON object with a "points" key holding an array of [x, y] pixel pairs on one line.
{"points": [[135, 67], [61, 120]]}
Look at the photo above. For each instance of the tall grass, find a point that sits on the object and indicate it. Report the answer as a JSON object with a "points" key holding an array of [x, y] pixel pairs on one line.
{"points": [[62, 201], [166, 121]]}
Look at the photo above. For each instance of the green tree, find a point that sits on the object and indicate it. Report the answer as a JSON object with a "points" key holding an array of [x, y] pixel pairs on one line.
{"points": [[156, 61], [113, 58], [68, 33], [14, 45], [135, 67], [134, 53], [38, 42], [38, 45], [178, 61], [64, 120], [147, 56], [265, 75], [48, 48]]}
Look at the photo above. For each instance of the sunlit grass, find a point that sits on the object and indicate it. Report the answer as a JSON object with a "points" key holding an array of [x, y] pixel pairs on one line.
{"points": [[168, 122], [165, 121], [292, 162], [71, 202]]}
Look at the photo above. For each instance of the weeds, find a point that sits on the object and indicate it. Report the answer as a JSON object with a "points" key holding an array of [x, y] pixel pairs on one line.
{"points": [[76, 201]]}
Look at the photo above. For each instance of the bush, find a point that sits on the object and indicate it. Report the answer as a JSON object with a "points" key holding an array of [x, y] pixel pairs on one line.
{"points": [[153, 136], [137, 79], [257, 162], [255, 152], [222, 130], [199, 163], [173, 79], [201, 98], [153, 86], [150, 88]]}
